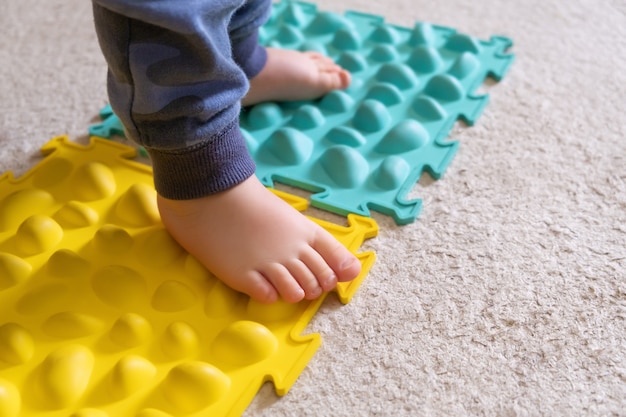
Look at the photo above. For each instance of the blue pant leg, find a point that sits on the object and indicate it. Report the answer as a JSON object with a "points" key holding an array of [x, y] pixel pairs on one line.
{"points": [[174, 83], [244, 35]]}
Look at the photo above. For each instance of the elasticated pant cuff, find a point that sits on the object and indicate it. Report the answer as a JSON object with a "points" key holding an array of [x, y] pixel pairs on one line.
{"points": [[203, 169]]}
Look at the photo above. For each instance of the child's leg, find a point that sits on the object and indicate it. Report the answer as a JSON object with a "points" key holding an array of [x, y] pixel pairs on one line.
{"points": [[258, 244], [177, 89], [278, 74], [294, 75]]}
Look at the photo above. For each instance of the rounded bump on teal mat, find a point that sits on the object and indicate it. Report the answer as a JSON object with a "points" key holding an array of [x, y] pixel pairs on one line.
{"points": [[385, 34], [345, 166], [294, 15], [328, 22], [344, 135], [464, 65], [356, 86], [336, 102], [347, 39], [352, 62], [264, 36], [371, 116], [314, 47], [429, 109], [386, 93], [444, 87], [391, 173], [406, 136], [289, 36], [264, 115], [463, 43], [425, 59], [422, 34], [251, 142], [307, 117], [397, 74], [290, 146], [384, 53]]}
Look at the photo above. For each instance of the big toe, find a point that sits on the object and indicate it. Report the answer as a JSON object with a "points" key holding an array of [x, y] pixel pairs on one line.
{"points": [[349, 268], [345, 265]]}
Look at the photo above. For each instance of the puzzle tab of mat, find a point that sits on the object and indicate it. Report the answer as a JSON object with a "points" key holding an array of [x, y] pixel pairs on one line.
{"points": [[366, 147], [102, 314]]}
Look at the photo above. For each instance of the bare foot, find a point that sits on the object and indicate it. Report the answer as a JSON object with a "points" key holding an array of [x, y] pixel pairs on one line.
{"points": [[293, 75], [258, 244]]}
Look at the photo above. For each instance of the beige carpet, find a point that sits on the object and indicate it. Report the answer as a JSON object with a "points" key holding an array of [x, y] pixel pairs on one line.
{"points": [[508, 296]]}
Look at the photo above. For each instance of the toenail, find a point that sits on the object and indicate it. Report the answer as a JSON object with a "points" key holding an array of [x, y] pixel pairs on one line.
{"points": [[331, 281], [347, 264], [299, 294], [316, 292]]}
